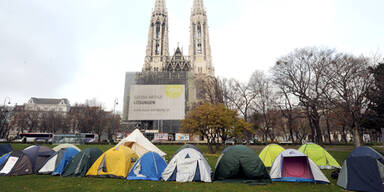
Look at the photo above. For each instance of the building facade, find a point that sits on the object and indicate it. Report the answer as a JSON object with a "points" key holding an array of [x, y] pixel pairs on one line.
{"points": [[162, 69], [46, 105]]}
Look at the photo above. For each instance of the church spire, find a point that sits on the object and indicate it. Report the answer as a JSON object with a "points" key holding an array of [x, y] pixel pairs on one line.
{"points": [[198, 7], [199, 47], [157, 46], [160, 6]]}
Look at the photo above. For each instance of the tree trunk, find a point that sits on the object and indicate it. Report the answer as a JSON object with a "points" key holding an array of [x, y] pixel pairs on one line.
{"points": [[217, 146], [290, 127], [344, 135], [329, 131], [356, 135], [210, 147]]}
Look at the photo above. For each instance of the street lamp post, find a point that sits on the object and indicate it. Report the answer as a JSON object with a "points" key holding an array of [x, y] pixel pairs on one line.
{"points": [[115, 102]]}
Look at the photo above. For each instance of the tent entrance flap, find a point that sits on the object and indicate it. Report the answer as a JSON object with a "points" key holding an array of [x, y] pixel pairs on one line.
{"points": [[9, 165], [296, 167], [240, 174], [129, 144]]}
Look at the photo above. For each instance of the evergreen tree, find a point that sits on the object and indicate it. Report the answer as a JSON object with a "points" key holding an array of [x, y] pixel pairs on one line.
{"points": [[375, 116]]}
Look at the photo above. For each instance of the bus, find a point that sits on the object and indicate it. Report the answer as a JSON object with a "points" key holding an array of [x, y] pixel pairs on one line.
{"points": [[34, 137], [89, 137], [76, 138]]}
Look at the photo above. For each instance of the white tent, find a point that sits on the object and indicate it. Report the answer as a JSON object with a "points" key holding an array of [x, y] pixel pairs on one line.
{"points": [[140, 144], [63, 146], [186, 166], [294, 166]]}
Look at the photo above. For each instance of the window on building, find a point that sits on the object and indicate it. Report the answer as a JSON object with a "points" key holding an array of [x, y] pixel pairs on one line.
{"points": [[199, 31], [157, 48], [157, 30], [200, 69]]}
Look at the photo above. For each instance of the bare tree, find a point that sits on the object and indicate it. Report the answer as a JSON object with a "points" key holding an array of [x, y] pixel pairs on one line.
{"points": [[5, 114], [264, 102], [53, 122], [113, 124], [350, 80], [239, 96], [85, 119], [289, 110], [301, 73], [209, 89], [32, 119]]}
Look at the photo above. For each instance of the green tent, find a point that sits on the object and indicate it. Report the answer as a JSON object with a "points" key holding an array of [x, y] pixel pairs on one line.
{"points": [[241, 164], [319, 156], [82, 162], [269, 154]]}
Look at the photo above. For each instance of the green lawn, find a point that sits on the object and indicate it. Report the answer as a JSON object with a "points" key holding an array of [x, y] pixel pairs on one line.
{"points": [[49, 183]]}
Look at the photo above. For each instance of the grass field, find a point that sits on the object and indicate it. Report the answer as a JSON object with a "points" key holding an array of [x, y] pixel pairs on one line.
{"points": [[50, 183]]}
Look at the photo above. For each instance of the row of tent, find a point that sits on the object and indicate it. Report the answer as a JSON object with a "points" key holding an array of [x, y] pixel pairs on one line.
{"points": [[237, 163], [136, 158]]}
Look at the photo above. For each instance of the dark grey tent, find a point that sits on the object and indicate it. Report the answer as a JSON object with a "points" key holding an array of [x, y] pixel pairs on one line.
{"points": [[81, 162], [38, 156], [4, 149], [241, 164], [363, 170], [18, 163]]}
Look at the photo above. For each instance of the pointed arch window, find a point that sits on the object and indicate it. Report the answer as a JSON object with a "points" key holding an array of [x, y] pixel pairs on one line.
{"points": [[199, 48], [199, 30], [157, 29], [157, 48]]}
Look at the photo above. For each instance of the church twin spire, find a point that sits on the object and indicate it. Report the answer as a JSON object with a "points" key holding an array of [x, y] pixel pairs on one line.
{"points": [[160, 6], [198, 7], [157, 53]]}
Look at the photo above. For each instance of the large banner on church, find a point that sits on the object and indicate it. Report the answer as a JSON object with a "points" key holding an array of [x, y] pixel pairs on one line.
{"points": [[156, 102]]}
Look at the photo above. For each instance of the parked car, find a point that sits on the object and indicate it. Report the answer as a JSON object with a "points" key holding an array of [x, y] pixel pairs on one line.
{"points": [[230, 142]]}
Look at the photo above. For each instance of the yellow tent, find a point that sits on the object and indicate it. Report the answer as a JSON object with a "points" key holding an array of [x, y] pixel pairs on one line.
{"points": [[116, 162], [320, 156], [269, 154]]}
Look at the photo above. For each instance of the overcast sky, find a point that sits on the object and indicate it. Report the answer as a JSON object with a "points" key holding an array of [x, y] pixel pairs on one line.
{"points": [[81, 49]]}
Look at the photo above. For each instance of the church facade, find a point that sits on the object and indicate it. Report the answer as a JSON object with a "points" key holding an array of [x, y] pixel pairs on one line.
{"points": [[157, 57], [161, 68]]}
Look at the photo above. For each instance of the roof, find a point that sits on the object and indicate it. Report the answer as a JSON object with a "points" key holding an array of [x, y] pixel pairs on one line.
{"points": [[49, 101]]}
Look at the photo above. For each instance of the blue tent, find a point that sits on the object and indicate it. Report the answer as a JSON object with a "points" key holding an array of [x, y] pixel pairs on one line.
{"points": [[4, 158], [149, 167], [66, 156], [363, 170], [5, 148]]}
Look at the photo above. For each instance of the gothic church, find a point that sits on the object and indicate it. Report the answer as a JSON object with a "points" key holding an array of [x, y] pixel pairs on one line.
{"points": [[157, 57], [162, 69]]}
